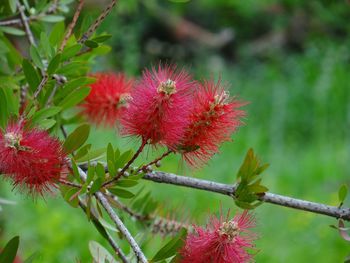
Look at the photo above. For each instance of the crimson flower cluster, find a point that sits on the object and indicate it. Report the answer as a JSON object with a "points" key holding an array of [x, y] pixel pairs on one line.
{"points": [[221, 241], [107, 99], [31, 158], [167, 107]]}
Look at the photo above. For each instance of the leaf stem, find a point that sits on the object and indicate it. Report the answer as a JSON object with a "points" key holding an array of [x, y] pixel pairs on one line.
{"points": [[126, 167], [155, 160]]}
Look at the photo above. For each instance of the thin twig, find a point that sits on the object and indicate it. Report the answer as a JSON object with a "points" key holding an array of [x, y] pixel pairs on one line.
{"points": [[53, 8], [121, 227], [155, 160], [97, 22], [126, 167], [41, 86], [64, 132], [126, 209], [225, 189], [17, 21], [71, 25], [25, 23], [69, 183], [23, 97], [10, 22], [119, 224], [111, 241]]}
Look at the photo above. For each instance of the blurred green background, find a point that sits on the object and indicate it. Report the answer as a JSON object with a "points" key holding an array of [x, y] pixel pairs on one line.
{"points": [[289, 59]]}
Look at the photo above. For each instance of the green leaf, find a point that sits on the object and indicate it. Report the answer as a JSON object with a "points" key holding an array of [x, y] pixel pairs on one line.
{"points": [[8, 254], [32, 257], [126, 183], [46, 46], [31, 75], [101, 50], [54, 63], [342, 193], [99, 253], [96, 185], [90, 44], [57, 34], [111, 168], [12, 4], [70, 52], [70, 86], [249, 187], [121, 193], [77, 138], [172, 247], [76, 172], [82, 151], [92, 155], [9, 105], [51, 18], [46, 124], [12, 31], [110, 153], [75, 97], [121, 161], [71, 195], [101, 38], [45, 113], [34, 54], [90, 174], [100, 171]]}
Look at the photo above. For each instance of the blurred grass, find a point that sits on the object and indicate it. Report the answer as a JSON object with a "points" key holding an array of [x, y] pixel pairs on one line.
{"points": [[298, 120]]}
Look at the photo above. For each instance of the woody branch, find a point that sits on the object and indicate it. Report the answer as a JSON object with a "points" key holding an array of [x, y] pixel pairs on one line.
{"points": [[229, 190]]}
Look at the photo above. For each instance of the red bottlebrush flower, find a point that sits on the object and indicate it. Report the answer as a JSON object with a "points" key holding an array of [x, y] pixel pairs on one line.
{"points": [[31, 158], [214, 117], [108, 98], [160, 105], [221, 241]]}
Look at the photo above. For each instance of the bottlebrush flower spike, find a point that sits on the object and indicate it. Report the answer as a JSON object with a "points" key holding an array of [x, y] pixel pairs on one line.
{"points": [[221, 241], [159, 110], [214, 117], [108, 98], [31, 158]]}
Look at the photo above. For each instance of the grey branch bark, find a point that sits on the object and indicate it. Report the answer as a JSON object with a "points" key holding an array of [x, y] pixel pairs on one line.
{"points": [[111, 241], [225, 189], [119, 224], [121, 227]]}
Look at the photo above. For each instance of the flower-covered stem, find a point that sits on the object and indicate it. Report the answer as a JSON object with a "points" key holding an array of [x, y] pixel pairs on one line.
{"points": [[121, 227], [97, 22], [225, 189], [127, 165], [155, 161], [71, 25], [111, 241], [159, 223]]}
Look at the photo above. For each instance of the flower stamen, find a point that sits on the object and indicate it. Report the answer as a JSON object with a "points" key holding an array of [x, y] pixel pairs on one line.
{"points": [[13, 140], [167, 87], [229, 229]]}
